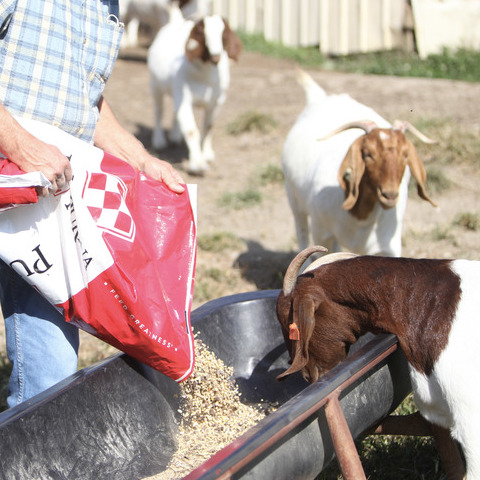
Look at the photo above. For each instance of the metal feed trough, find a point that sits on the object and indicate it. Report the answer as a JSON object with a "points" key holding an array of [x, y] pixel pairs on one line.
{"points": [[118, 419]]}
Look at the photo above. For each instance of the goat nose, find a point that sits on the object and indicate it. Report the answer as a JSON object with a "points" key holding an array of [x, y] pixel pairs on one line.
{"points": [[390, 195], [215, 59], [388, 199]]}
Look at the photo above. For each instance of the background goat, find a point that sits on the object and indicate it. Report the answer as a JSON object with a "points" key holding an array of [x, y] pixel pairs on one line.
{"points": [[347, 170], [154, 14], [432, 306], [190, 61]]}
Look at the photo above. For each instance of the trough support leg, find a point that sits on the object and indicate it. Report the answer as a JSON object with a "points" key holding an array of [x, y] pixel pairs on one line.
{"points": [[343, 443]]}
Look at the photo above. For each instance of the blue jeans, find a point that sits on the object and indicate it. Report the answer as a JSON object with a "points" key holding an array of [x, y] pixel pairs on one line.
{"points": [[41, 346]]}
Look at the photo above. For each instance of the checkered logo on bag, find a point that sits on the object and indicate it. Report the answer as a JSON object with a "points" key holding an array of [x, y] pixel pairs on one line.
{"points": [[104, 195]]}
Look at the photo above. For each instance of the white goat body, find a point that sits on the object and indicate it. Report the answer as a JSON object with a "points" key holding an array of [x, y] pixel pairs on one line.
{"points": [[311, 168], [449, 396], [189, 61], [154, 14], [431, 305]]}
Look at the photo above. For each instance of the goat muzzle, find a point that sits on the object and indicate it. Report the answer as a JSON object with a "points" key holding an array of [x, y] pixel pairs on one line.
{"points": [[387, 199], [215, 59]]}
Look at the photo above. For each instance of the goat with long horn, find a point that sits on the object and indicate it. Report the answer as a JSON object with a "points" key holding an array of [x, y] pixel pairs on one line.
{"points": [[430, 305], [346, 174]]}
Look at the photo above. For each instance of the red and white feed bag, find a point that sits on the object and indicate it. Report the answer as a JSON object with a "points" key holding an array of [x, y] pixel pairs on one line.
{"points": [[114, 251]]}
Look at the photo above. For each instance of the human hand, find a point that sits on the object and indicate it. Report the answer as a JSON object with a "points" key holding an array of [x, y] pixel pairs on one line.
{"points": [[36, 155], [31, 154], [164, 172], [111, 137]]}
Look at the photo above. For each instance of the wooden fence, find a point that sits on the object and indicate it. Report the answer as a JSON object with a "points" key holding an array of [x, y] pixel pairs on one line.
{"points": [[337, 26]]}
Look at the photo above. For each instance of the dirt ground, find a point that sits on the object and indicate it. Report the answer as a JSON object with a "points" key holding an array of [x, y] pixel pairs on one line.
{"points": [[265, 230], [264, 233], [268, 86]]}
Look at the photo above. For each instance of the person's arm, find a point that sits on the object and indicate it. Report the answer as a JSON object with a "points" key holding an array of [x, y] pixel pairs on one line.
{"points": [[113, 138], [31, 154]]}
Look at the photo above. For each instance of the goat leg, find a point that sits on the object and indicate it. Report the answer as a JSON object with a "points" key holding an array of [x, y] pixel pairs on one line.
{"points": [[449, 454], [413, 424], [207, 145], [416, 425]]}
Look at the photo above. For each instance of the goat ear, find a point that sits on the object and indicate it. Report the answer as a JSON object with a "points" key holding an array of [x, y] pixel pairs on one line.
{"points": [[418, 171], [351, 172], [305, 319], [232, 43], [194, 47]]}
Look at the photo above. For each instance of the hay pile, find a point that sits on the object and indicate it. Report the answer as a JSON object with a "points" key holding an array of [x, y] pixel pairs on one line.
{"points": [[213, 415]]}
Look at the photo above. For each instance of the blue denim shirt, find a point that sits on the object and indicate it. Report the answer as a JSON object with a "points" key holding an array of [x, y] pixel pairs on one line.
{"points": [[55, 57]]}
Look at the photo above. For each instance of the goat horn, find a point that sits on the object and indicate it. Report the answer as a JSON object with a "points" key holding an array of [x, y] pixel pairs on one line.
{"points": [[366, 125], [403, 126], [333, 257], [294, 268]]}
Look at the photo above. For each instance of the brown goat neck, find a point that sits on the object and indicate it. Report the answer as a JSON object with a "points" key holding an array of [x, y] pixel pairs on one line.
{"points": [[414, 299]]}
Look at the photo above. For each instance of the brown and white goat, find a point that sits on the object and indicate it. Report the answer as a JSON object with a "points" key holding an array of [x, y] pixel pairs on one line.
{"points": [[189, 61], [432, 306], [347, 171]]}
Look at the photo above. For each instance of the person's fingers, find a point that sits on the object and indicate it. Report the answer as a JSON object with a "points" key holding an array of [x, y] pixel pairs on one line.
{"points": [[163, 171], [68, 173], [60, 181], [62, 178], [53, 186], [42, 191], [173, 180]]}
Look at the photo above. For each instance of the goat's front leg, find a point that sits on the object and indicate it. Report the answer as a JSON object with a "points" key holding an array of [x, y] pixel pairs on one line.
{"points": [[207, 146], [191, 134], [130, 36], [175, 136], [159, 140], [301, 219]]}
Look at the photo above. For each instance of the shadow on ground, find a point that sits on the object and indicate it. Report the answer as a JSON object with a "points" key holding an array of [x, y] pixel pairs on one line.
{"points": [[264, 268], [174, 154]]}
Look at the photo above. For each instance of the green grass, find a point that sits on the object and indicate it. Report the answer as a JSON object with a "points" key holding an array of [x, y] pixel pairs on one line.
{"points": [[304, 56], [251, 121], [455, 143], [219, 242], [271, 174], [242, 199], [389, 457], [461, 64], [5, 370], [469, 221], [252, 195]]}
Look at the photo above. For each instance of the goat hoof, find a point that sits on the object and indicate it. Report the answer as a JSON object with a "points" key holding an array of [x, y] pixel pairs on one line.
{"points": [[176, 141], [208, 156], [159, 144], [175, 135], [197, 171]]}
